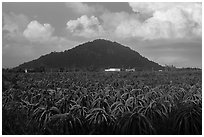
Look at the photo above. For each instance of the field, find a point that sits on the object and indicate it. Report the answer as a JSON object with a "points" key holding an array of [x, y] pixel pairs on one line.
{"points": [[102, 103]]}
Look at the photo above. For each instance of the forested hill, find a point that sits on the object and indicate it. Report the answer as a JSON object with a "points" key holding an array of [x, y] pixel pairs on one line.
{"points": [[94, 55]]}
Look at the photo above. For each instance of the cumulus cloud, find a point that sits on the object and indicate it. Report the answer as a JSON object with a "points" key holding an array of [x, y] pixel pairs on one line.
{"points": [[37, 39], [43, 34], [159, 21], [18, 29], [150, 21], [38, 32], [120, 24], [169, 20], [151, 7], [31, 39], [85, 26]]}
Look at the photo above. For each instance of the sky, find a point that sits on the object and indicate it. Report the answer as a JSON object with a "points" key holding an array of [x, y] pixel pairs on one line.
{"points": [[166, 33]]}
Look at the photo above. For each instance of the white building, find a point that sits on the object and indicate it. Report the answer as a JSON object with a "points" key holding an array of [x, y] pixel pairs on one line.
{"points": [[130, 70], [26, 71], [113, 69]]}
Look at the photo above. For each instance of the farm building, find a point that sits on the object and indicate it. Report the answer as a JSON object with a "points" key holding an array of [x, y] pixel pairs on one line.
{"points": [[113, 69]]}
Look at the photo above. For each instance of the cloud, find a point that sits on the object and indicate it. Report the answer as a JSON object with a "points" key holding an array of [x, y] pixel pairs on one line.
{"points": [[42, 34], [13, 24], [38, 32], [85, 27], [149, 22], [18, 29], [151, 7], [31, 40], [168, 20], [120, 24]]}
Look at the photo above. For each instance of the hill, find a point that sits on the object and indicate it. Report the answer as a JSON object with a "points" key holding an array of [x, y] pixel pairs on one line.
{"points": [[95, 55]]}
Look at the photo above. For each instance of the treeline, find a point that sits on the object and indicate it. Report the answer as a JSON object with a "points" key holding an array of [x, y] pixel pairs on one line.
{"points": [[42, 69]]}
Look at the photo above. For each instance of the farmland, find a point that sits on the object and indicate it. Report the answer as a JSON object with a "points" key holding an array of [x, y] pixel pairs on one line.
{"points": [[102, 103]]}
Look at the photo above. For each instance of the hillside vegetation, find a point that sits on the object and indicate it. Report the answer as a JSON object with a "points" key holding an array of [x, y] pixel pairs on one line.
{"points": [[94, 56]]}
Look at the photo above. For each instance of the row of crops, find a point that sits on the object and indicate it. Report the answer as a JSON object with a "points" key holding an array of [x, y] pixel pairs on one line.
{"points": [[102, 103]]}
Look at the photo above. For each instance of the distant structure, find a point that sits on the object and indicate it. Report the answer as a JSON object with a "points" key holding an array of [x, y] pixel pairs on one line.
{"points": [[160, 70], [120, 69], [113, 69], [26, 71], [130, 70]]}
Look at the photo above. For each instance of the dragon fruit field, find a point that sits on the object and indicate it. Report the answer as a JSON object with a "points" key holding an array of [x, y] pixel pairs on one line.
{"points": [[102, 103]]}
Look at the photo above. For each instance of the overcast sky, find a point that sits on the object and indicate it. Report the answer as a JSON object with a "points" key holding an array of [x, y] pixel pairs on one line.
{"points": [[167, 33]]}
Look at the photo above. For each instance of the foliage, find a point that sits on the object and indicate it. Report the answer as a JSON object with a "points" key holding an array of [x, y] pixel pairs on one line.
{"points": [[102, 103]]}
